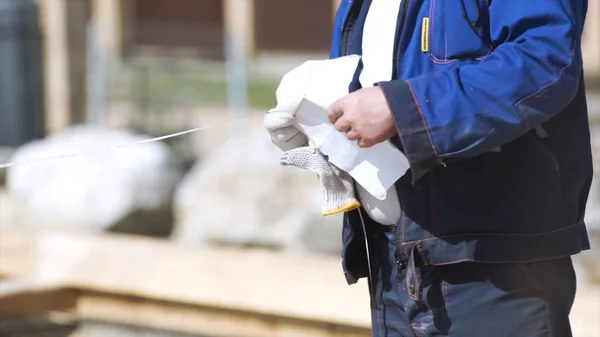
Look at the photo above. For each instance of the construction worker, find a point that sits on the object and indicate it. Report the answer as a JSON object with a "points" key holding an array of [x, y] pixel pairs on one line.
{"points": [[486, 98]]}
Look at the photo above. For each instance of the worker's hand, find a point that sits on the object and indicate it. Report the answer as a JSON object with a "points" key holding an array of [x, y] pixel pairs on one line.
{"points": [[337, 187], [282, 132], [364, 116]]}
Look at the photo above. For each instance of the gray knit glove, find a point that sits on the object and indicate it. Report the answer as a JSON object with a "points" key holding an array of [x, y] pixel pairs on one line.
{"points": [[337, 187]]}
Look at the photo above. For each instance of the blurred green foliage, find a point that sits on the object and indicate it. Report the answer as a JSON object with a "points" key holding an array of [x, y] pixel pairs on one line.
{"points": [[151, 89]]}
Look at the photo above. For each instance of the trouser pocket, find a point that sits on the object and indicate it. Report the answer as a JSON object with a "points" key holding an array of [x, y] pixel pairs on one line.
{"points": [[512, 299]]}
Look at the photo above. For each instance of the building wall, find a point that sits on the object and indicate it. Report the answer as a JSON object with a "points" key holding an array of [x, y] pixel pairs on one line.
{"points": [[291, 26], [190, 24], [277, 25]]}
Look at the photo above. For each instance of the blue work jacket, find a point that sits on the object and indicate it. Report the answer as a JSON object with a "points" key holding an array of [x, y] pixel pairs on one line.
{"points": [[490, 108]]}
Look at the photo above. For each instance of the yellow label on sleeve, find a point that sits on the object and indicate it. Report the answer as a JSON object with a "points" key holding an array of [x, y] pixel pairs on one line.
{"points": [[425, 35]]}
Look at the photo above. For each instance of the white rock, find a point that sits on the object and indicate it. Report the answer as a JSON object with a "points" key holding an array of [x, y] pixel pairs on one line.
{"points": [[106, 189], [241, 195]]}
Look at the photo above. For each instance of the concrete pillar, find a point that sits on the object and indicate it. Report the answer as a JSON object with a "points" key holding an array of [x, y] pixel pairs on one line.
{"points": [[63, 25], [239, 22], [111, 16]]}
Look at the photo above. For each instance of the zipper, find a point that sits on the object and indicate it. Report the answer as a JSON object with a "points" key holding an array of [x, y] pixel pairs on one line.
{"points": [[342, 29], [400, 26], [397, 38]]}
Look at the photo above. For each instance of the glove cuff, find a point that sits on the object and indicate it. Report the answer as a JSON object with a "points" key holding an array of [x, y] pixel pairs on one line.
{"points": [[337, 191]]}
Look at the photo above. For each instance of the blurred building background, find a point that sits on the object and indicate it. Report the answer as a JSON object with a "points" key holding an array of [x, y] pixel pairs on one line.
{"points": [[77, 75], [132, 47]]}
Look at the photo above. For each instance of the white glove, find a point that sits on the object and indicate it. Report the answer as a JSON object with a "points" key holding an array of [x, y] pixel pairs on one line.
{"points": [[282, 131], [337, 187]]}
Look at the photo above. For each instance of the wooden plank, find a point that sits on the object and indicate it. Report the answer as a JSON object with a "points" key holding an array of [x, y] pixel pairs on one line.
{"points": [[203, 320], [238, 23], [21, 299], [15, 253], [261, 282], [63, 25], [132, 280]]}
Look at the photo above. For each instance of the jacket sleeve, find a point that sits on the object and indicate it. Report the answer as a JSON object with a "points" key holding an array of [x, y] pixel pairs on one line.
{"points": [[532, 74]]}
